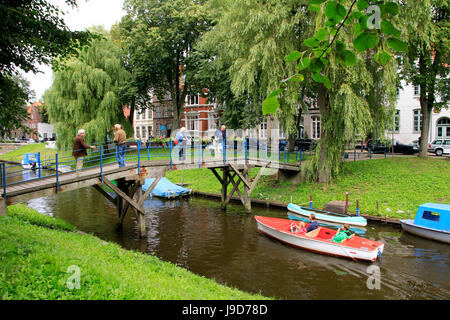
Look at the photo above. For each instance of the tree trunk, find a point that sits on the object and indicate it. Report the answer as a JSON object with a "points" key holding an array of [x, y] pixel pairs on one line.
{"points": [[323, 171]]}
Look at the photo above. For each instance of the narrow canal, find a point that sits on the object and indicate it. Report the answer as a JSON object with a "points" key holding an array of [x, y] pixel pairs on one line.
{"points": [[225, 245]]}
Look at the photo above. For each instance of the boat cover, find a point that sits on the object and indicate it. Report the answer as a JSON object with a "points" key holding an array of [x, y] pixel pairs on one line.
{"points": [[433, 215], [165, 188]]}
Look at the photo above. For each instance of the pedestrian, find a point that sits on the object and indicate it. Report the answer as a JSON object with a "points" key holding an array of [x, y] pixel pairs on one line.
{"points": [[220, 137], [181, 137], [120, 139], [79, 149]]}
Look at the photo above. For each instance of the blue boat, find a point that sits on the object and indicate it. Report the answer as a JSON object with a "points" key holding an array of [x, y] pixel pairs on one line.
{"points": [[165, 188], [432, 221], [328, 217], [29, 160]]}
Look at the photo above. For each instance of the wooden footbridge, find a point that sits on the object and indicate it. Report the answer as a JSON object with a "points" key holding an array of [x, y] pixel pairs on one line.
{"points": [[230, 166]]}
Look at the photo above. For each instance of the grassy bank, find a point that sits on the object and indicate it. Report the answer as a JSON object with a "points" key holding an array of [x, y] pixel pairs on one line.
{"points": [[398, 184], [36, 252]]}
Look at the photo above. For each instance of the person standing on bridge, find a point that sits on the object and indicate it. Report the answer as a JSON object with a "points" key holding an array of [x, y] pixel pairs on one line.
{"points": [[181, 137], [79, 148], [120, 138], [220, 137]]}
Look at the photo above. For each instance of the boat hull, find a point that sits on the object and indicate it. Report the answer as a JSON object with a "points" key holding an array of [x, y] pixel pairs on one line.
{"points": [[354, 221], [281, 232], [429, 233]]}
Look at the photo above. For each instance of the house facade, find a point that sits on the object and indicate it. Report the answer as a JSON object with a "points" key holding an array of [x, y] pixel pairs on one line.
{"points": [[408, 118]]}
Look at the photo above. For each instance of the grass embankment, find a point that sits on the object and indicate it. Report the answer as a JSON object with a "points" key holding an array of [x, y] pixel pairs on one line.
{"points": [[36, 252], [398, 184]]}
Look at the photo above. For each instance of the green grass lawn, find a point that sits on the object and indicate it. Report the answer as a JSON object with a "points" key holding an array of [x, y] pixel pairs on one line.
{"points": [[37, 252], [398, 184]]}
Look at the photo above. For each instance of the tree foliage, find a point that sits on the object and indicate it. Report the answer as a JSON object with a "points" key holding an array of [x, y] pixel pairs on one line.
{"points": [[250, 40], [158, 37], [426, 64], [14, 94], [344, 55], [31, 32], [85, 93]]}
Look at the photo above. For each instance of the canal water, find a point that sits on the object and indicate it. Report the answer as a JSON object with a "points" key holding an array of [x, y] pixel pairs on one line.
{"points": [[197, 235]]}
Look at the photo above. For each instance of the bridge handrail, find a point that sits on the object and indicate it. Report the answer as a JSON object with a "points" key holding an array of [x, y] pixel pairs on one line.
{"points": [[136, 150]]}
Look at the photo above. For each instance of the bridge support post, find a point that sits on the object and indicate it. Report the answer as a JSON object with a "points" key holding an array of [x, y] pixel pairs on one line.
{"points": [[2, 207], [225, 183], [228, 176]]}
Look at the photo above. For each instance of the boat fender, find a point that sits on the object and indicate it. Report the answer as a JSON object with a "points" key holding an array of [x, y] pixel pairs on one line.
{"points": [[379, 254]]}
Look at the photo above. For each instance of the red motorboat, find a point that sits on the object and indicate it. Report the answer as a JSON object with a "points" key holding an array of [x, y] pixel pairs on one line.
{"points": [[320, 240]]}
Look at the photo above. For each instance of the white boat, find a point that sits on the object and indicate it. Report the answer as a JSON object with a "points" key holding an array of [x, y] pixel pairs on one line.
{"points": [[29, 161], [432, 221], [320, 240], [350, 220]]}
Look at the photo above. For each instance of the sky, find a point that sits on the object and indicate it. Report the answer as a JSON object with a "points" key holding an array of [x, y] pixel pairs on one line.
{"points": [[87, 14]]}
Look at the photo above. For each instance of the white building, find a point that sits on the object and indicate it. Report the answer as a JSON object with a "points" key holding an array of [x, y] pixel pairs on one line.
{"points": [[408, 118], [46, 130], [143, 124]]}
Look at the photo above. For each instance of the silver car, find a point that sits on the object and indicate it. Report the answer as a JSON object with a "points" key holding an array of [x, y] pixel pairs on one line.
{"points": [[439, 147]]}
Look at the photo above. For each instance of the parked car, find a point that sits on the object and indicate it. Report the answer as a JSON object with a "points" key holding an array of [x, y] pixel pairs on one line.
{"points": [[410, 148], [305, 144], [439, 147], [376, 146]]}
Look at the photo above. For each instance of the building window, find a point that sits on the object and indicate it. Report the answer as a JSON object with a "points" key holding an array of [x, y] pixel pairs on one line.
{"points": [[416, 90], [315, 127], [158, 130], [397, 121], [263, 130], [192, 123], [212, 121], [417, 120], [150, 131], [192, 100], [166, 111], [138, 132], [158, 112], [149, 114], [144, 133], [443, 128]]}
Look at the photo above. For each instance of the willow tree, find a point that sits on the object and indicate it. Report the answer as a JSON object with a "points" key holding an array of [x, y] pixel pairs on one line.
{"points": [[350, 57], [427, 26], [84, 93], [250, 39]]}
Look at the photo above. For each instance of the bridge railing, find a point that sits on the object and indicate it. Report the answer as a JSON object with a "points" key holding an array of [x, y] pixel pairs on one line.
{"points": [[54, 164]]}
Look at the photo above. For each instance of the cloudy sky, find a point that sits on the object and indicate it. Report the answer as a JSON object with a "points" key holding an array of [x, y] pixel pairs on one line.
{"points": [[88, 13]]}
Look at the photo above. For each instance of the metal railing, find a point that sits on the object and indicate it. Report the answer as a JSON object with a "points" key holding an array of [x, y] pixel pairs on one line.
{"points": [[61, 162]]}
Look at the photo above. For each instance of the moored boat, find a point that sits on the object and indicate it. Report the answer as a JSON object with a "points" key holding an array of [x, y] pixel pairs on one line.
{"points": [[432, 221], [342, 219], [320, 240], [165, 188], [29, 161]]}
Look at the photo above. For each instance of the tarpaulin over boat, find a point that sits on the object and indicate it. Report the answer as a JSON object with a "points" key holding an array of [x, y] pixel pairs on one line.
{"points": [[165, 188]]}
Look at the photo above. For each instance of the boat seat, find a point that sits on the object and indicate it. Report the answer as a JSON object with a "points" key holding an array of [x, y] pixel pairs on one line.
{"points": [[314, 233]]}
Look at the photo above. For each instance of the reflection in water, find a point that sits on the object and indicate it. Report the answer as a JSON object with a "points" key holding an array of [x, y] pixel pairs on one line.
{"points": [[225, 245]]}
